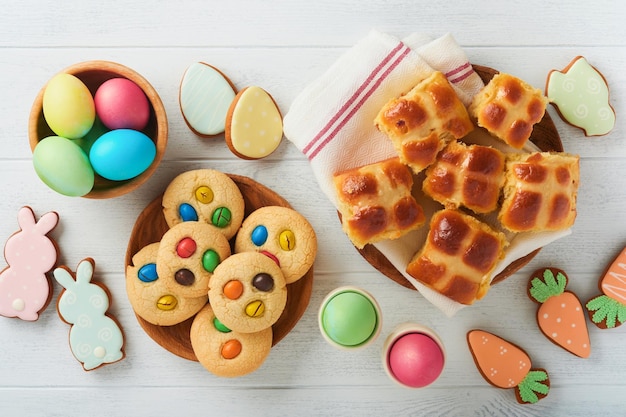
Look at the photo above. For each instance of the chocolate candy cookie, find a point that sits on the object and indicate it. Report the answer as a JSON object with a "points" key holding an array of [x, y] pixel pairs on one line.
{"points": [[149, 295], [225, 352], [248, 292], [283, 235], [207, 196]]}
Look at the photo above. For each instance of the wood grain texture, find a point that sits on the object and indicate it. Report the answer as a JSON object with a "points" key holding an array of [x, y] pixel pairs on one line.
{"points": [[281, 46]]}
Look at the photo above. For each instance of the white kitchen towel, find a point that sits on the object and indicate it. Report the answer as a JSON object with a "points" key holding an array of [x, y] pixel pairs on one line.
{"points": [[332, 120]]}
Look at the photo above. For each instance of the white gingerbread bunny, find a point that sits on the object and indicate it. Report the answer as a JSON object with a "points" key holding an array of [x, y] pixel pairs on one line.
{"points": [[25, 288], [95, 338]]}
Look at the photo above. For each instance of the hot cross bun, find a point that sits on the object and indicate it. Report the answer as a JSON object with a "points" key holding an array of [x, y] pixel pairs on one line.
{"points": [[458, 257], [466, 175], [421, 122], [540, 191]]}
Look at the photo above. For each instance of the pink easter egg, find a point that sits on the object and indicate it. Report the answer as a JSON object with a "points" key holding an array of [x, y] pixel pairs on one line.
{"points": [[121, 104], [416, 360]]}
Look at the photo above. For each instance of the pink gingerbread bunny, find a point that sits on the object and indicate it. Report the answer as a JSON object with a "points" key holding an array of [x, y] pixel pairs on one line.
{"points": [[25, 289]]}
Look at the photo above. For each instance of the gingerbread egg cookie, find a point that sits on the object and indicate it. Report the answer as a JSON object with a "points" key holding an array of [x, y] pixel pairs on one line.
{"points": [[204, 97], [254, 125], [187, 257], [225, 352], [207, 196], [150, 297], [282, 234], [248, 292]]}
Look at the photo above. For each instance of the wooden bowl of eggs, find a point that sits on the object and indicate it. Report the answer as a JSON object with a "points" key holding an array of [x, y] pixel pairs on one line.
{"points": [[97, 129]]}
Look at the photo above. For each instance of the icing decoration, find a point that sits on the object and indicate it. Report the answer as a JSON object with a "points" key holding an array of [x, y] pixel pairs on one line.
{"points": [[560, 316], [24, 287], [95, 338], [608, 311], [205, 97], [581, 95], [256, 125], [204, 194], [505, 365], [255, 308]]}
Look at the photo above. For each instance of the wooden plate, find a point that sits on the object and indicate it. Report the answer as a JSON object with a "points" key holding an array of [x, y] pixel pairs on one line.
{"points": [[150, 227], [544, 135]]}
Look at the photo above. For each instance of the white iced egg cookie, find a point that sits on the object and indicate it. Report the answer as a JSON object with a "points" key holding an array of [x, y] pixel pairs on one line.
{"points": [[150, 297], [207, 196], [248, 292], [281, 234], [204, 97], [187, 257], [225, 352], [254, 124]]}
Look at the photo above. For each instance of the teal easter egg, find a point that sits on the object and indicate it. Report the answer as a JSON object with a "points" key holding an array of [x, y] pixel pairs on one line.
{"points": [[68, 106], [122, 154], [63, 166]]}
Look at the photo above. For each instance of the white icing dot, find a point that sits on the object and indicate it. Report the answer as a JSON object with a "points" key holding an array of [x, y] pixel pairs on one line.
{"points": [[246, 125], [99, 352], [573, 324], [569, 342], [18, 304], [250, 109], [554, 334], [577, 308], [585, 345], [558, 320], [261, 132], [563, 305], [545, 316]]}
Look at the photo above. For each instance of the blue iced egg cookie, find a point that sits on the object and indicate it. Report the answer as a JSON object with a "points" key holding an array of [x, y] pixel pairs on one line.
{"points": [[207, 196]]}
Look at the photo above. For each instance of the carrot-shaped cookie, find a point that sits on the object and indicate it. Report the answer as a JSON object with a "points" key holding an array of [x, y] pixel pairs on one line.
{"points": [[505, 365], [609, 309], [560, 316]]}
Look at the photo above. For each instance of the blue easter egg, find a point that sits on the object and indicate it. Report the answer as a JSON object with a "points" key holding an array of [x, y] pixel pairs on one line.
{"points": [[122, 154]]}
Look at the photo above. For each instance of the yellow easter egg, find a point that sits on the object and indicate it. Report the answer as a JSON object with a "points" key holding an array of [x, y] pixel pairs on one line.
{"points": [[68, 106]]}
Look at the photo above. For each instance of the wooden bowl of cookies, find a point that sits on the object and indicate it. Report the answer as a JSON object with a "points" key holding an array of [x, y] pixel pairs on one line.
{"points": [[152, 130]]}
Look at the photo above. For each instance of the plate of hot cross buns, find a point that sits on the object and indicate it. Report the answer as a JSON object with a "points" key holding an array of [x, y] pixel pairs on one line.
{"points": [[470, 179]]}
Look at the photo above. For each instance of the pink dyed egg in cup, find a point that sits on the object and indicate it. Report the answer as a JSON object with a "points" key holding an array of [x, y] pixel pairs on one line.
{"points": [[413, 355], [349, 318]]}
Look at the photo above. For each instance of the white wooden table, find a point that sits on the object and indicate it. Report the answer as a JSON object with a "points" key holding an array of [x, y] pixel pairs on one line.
{"points": [[281, 46]]}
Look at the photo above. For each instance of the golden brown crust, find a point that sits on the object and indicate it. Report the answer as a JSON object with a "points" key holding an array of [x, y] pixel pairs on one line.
{"points": [[466, 175], [509, 108], [375, 202], [458, 257], [421, 122], [540, 192]]}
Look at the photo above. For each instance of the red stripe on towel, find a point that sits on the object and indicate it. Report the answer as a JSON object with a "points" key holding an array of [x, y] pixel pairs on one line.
{"points": [[362, 93], [457, 70]]}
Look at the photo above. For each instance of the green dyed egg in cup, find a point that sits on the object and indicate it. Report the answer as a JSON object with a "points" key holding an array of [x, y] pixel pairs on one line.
{"points": [[349, 318], [75, 125]]}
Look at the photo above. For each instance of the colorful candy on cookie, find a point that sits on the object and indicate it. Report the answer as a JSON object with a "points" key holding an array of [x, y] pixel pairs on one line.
{"points": [[188, 256], [25, 288], [413, 355], [580, 94], [254, 124], [149, 296], [505, 365], [225, 352], [205, 96], [282, 234], [349, 318], [96, 338], [560, 316], [248, 292], [207, 196], [608, 310]]}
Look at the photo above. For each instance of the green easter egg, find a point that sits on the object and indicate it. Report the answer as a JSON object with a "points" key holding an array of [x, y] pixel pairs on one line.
{"points": [[349, 318], [63, 166]]}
